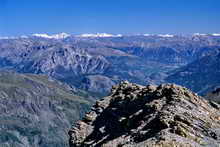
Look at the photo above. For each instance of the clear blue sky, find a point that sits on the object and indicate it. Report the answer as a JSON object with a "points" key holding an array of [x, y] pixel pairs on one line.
{"points": [[23, 17]]}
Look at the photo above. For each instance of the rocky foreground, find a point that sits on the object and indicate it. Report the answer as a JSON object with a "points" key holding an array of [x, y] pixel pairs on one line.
{"points": [[150, 116]]}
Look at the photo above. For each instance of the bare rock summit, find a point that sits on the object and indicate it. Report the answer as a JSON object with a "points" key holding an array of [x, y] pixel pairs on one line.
{"points": [[149, 116]]}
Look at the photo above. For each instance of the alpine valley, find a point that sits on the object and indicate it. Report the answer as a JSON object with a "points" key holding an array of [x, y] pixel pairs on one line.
{"points": [[95, 62]]}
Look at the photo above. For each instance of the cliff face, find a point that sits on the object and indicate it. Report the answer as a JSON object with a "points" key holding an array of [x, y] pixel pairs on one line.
{"points": [[134, 115]]}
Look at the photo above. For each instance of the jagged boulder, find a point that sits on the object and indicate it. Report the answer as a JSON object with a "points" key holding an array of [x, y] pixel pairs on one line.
{"points": [[135, 116]]}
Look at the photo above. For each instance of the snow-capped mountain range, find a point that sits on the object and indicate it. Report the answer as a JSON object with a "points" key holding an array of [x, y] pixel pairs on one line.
{"points": [[65, 35], [160, 35], [56, 36], [100, 35]]}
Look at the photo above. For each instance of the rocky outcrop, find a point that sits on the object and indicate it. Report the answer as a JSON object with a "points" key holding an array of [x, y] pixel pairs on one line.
{"points": [[150, 116]]}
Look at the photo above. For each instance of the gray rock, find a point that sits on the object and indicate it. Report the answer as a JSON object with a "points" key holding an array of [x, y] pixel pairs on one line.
{"points": [[136, 116]]}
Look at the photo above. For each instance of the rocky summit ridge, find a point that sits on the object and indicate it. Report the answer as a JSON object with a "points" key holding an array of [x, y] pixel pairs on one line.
{"points": [[150, 116]]}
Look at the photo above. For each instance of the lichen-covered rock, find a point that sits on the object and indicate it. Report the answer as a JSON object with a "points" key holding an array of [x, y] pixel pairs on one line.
{"points": [[150, 116]]}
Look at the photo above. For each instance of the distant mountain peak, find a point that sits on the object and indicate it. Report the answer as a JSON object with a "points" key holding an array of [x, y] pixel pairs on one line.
{"points": [[199, 34], [4, 37], [147, 34], [166, 35], [55, 36], [160, 35], [216, 34], [202, 34], [100, 35]]}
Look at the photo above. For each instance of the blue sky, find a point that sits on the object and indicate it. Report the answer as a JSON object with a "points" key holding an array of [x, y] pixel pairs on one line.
{"points": [[23, 17]]}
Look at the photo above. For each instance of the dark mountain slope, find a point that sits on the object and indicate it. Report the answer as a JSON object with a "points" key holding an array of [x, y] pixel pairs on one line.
{"points": [[36, 111], [137, 116], [202, 76], [214, 95]]}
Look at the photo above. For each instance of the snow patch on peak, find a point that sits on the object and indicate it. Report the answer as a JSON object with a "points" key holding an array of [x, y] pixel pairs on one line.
{"points": [[199, 34], [4, 37], [100, 35], [23, 36], [215, 34], [56, 36], [119, 35], [147, 35], [61, 36], [41, 35], [166, 35]]}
